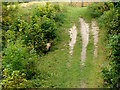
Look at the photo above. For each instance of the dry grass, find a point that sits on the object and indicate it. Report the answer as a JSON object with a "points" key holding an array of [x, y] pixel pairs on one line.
{"points": [[29, 4]]}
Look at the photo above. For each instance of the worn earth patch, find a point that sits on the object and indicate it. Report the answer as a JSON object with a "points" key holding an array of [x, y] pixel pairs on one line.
{"points": [[85, 38]]}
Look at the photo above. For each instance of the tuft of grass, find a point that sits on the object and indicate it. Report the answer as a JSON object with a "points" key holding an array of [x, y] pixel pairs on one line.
{"points": [[84, 14]]}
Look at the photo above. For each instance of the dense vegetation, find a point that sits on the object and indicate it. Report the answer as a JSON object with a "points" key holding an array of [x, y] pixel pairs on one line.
{"points": [[25, 33], [108, 16]]}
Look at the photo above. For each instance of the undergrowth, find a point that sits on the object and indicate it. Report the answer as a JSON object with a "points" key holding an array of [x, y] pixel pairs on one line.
{"points": [[25, 33], [108, 16]]}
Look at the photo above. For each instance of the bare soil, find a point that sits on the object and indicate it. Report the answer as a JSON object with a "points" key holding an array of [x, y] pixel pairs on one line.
{"points": [[95, 36], [73, 36], [85, 38]]}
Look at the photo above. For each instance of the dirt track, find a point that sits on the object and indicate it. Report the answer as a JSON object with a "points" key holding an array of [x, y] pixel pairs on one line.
{"points": [[85, 38], [73, 36], [95, 36]]}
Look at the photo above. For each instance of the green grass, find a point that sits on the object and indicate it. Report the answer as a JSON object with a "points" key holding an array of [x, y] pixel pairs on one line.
{"points": [[91, 73], [57, 60], [59, 69], [88, 68]]}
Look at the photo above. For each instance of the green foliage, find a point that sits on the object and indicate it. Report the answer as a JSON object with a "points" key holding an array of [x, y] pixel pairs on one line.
{"points": [[110, 19], [47, 10], [59, 17], [41, 31], [8, 15], [14, 79], [37, 31], [96, 10], [111, 72], [9, 3], [14, 54], [57, 7], [16, 57], [30, 65], [24, 38]]}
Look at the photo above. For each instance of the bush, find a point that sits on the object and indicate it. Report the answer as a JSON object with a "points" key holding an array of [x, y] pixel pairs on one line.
{"points": [[36, 32], [96, 10], [8, 17], [41, 31], [24, 38], [110, 20], [59, 18], [47, 10], [111, 73], [14, 79], [15, 54], [17, 57], [108, 15], [57, 7], [31, 69]]}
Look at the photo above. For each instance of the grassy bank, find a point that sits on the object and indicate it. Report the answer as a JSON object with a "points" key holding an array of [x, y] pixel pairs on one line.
{"points": [[55, 68], [66, 71], [64, 68]]}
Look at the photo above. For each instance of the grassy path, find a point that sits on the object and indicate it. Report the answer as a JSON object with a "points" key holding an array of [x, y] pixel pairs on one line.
{"points": [[66, 70]]}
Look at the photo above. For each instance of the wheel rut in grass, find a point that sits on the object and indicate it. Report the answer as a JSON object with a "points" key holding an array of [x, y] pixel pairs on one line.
{"points": [[73, 36], [85, 32], [85, 39], [95, 36]]}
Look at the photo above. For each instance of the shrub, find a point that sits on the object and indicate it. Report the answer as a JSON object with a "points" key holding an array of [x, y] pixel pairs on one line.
{"points": [[47, 10], [57, 7], [10, 3], [41, 31], [36, 32], [14, 79], [18, 58], [8, 17], [96, 10], [109, 17], [59, 18], [111, 72], [15, 54], [110, 20], [31, 69], [23, 38]]}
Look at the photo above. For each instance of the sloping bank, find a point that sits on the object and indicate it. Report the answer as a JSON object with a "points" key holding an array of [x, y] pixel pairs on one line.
{"points": [[108, 16]]}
